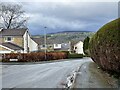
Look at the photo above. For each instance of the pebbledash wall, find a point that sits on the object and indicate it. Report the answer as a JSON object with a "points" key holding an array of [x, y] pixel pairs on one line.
{"points": [[78, 48], [29, 44]]}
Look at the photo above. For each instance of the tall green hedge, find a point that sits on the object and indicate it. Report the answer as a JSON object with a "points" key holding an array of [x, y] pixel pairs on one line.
{"points": [[86, 45], [104, 46]]}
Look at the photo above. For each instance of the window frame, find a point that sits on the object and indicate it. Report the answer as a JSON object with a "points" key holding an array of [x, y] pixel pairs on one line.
{"points": [[7, 40]]}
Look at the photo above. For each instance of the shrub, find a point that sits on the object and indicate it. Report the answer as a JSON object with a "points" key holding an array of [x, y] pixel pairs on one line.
{"points": [[34, 57], [86, 45], [73, 55], [105, 47]]}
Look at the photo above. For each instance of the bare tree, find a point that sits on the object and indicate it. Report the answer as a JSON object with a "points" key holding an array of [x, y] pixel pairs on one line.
{"points": [[12, 16]]}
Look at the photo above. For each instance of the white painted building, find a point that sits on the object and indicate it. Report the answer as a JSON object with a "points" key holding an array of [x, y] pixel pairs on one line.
{"points": [[78, 48], [29, 44], [57, 46]]}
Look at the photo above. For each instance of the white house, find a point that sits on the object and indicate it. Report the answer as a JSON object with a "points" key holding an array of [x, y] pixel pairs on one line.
{"points": [[78, 48], [57, 46]]}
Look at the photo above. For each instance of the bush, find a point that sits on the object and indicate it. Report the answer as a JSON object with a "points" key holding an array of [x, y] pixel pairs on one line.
{"points": [[86, 45], [105, 47], [34, 57], [73, 55]]}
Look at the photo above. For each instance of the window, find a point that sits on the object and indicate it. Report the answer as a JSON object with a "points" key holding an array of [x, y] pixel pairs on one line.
{"points": [[75, 47], [8, 39], [56, 45], [43, 45]]}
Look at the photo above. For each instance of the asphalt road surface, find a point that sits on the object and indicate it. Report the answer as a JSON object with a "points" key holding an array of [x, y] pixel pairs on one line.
{"points": [[45, 75], [54, 75]]}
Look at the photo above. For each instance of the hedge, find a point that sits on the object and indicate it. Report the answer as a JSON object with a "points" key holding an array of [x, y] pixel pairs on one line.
{"points": [[86, 45], [34, 57], [104, 47], [73, 55]]}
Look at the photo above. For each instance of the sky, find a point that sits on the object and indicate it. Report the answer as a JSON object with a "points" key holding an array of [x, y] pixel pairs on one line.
{"points": [[68, 15]]}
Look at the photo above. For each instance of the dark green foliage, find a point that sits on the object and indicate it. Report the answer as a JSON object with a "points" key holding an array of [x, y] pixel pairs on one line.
{"points": [[85, 45], [104, 46], [73, 55]]}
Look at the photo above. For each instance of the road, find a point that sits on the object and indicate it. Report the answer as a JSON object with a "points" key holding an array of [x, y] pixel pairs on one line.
{"points": [[46, 75], [54, 75]]}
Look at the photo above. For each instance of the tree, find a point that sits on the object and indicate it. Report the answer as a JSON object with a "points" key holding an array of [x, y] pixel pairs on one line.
{"points": [[12, 16], [86, 45]]}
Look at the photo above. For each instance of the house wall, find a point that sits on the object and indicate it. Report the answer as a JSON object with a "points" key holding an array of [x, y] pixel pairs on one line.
{"points": [[25, 39], [33, 46], [18, 40], [5, 50], [79, 47], [1, 40], [57, 46], [29, 44]]}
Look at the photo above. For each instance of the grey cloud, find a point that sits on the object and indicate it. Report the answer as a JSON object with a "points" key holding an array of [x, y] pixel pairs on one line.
{"points": [[71, 16]]}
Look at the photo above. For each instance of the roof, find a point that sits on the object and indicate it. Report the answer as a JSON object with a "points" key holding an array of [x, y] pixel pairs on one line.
{"points": [[78, 42], [13, 32], [12, 46], [65, 46], [39, 41]]}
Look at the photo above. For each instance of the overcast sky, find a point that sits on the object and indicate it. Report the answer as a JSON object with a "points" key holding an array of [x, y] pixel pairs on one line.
{"points": [[68, 15]]}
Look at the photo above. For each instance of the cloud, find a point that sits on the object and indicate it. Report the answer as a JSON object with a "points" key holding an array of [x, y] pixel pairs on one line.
{"points": [[68, 15], [64, 1], [71, 16]]}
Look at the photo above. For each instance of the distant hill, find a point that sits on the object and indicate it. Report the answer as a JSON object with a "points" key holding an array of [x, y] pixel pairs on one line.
{"points": [[68, 32], [66, 36]]}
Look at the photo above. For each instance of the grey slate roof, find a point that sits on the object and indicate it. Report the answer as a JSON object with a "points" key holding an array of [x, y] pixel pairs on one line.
{"points": [[12, 32], [65, 46], [12, 46], [39, 41]]}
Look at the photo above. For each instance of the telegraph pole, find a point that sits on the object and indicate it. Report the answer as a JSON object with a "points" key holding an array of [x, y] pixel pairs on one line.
{"points": [[45, 39]]}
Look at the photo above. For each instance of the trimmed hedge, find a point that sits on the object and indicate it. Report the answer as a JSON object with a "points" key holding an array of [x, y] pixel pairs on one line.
{"points": [[73, 55], [86, 45], [34, 57], [105, 46]]}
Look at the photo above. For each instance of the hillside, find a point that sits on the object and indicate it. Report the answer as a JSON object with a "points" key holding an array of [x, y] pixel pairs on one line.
{"points": [[66, 36]]}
